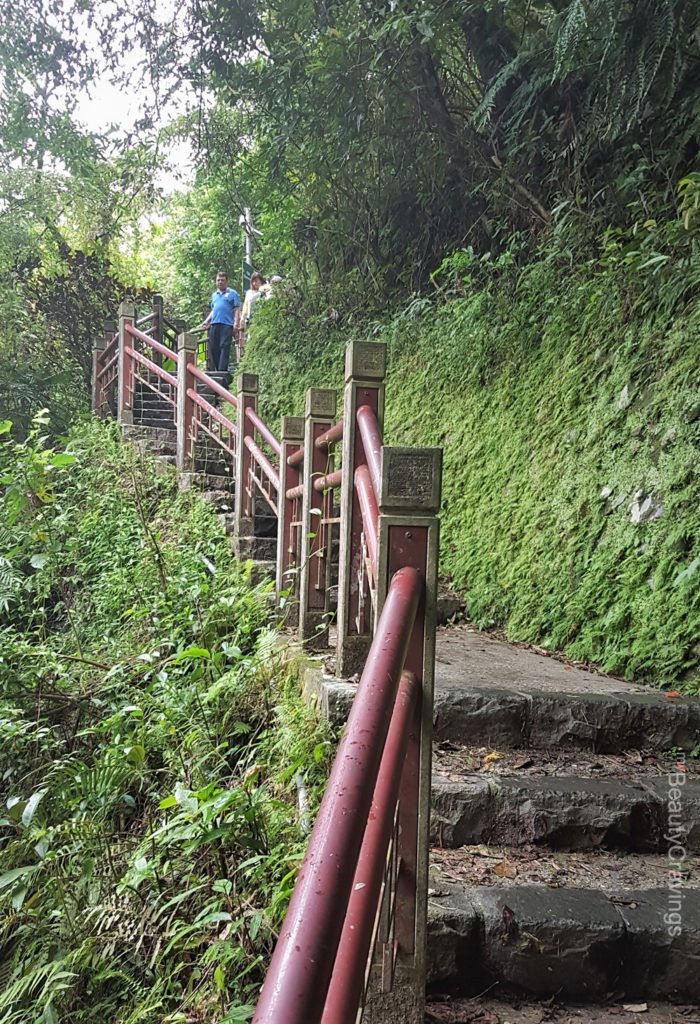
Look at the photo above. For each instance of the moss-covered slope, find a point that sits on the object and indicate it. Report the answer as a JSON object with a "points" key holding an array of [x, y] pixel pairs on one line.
{"points": [[570, 420]]}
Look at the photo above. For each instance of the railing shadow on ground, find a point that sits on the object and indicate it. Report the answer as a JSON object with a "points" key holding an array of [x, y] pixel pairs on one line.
{"points": [[352, 945]]}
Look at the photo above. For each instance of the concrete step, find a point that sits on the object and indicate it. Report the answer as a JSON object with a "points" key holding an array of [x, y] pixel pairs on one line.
{"points": [[220, 500], [162, 421], [262, 571], [259, 549], [604, 722], [156, 435], [207, 482], [573, 943], [612, 809], [444, 1009]]}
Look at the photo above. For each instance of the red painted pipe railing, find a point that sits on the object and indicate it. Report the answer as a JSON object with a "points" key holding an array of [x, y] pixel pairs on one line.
{"points": [[151, 342], [214, 385], [370, 513], [266, 434], [325, 440], [333, 434], [108, 366], [347, 984], [300, 973], [215, 414], [329, 482], [154, 368], [263, 461], [372, 442]]}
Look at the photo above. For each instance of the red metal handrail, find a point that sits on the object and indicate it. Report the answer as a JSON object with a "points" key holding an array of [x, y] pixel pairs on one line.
{"points": [[110, 347], [151, 342], [325, 440], [297, 982], [372, 442], [329, 482], [154, 368], [108, 366], [266, 434], [211, 410], [370, 513], [333, 434], [214, 385], [347, 984], [264, 463]]}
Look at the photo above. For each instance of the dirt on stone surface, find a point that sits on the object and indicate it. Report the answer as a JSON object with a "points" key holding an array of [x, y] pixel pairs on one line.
{"points": [[454, 762], [487, 1011], [467, 657], [531, 865]]}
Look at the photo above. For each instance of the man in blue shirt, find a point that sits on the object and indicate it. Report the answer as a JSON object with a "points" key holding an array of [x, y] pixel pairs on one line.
{"points": [[222, 321]]}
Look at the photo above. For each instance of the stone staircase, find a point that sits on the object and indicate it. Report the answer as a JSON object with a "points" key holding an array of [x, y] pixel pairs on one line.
{"points": [[153, 433], [566, 829], [552, 884]]}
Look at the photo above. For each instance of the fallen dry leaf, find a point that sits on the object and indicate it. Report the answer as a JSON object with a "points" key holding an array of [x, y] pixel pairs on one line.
{"points": [[493, 756], [505, 869], [672, 693], [635, 1007]]}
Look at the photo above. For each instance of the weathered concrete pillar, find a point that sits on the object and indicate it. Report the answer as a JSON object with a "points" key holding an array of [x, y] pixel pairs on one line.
{"points": [[409, 536], [365, 369], [157, 326], [184, 417], [315, 543], [245, 489], [288, 546], [97, 389], [125, 367]]}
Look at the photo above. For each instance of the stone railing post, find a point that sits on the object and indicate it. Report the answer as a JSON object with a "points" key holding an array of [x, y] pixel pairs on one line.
{"points": [[365, 369], [245, 493], [409, 536], [97, 390], [186, 356], [313, 584], [157, 326], [125, 367], [287, 536]]}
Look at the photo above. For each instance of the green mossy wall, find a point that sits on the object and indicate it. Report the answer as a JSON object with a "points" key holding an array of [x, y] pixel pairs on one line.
{"points": [[556, 401]]}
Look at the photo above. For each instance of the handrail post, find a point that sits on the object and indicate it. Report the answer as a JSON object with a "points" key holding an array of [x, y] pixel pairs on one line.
{"points": [[292, 437], [157, 326], [313, 586], [245, 493], [186, 355], [125, 367], [409, 536], [365, 369], [97, 390]]}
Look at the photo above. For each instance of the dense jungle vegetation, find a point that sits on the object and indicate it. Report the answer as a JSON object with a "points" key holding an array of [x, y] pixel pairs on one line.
{"points": [[149, 741], [505, 192]]}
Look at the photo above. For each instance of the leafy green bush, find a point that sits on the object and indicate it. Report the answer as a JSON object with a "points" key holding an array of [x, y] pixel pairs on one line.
{"points": [[149, 737]]}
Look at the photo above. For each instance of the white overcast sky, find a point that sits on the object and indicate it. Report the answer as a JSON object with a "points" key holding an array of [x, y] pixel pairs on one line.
{"points": [[106, 103]]}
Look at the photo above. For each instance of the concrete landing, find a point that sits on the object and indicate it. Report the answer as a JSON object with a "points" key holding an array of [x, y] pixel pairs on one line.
{"points": [[465, 657]]}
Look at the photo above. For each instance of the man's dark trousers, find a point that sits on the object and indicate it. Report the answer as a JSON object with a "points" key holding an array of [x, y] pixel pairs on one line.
{"points": [[220, 336]]}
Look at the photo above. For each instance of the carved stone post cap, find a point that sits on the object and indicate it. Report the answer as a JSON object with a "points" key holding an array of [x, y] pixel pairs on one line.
{"points": [[292, 428], [248, 383], [365, 360], [411, 480], [157, 299], [111, 326], [321, 403], [127, 309], [99, 344], [187, 342], [181, 326]]}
